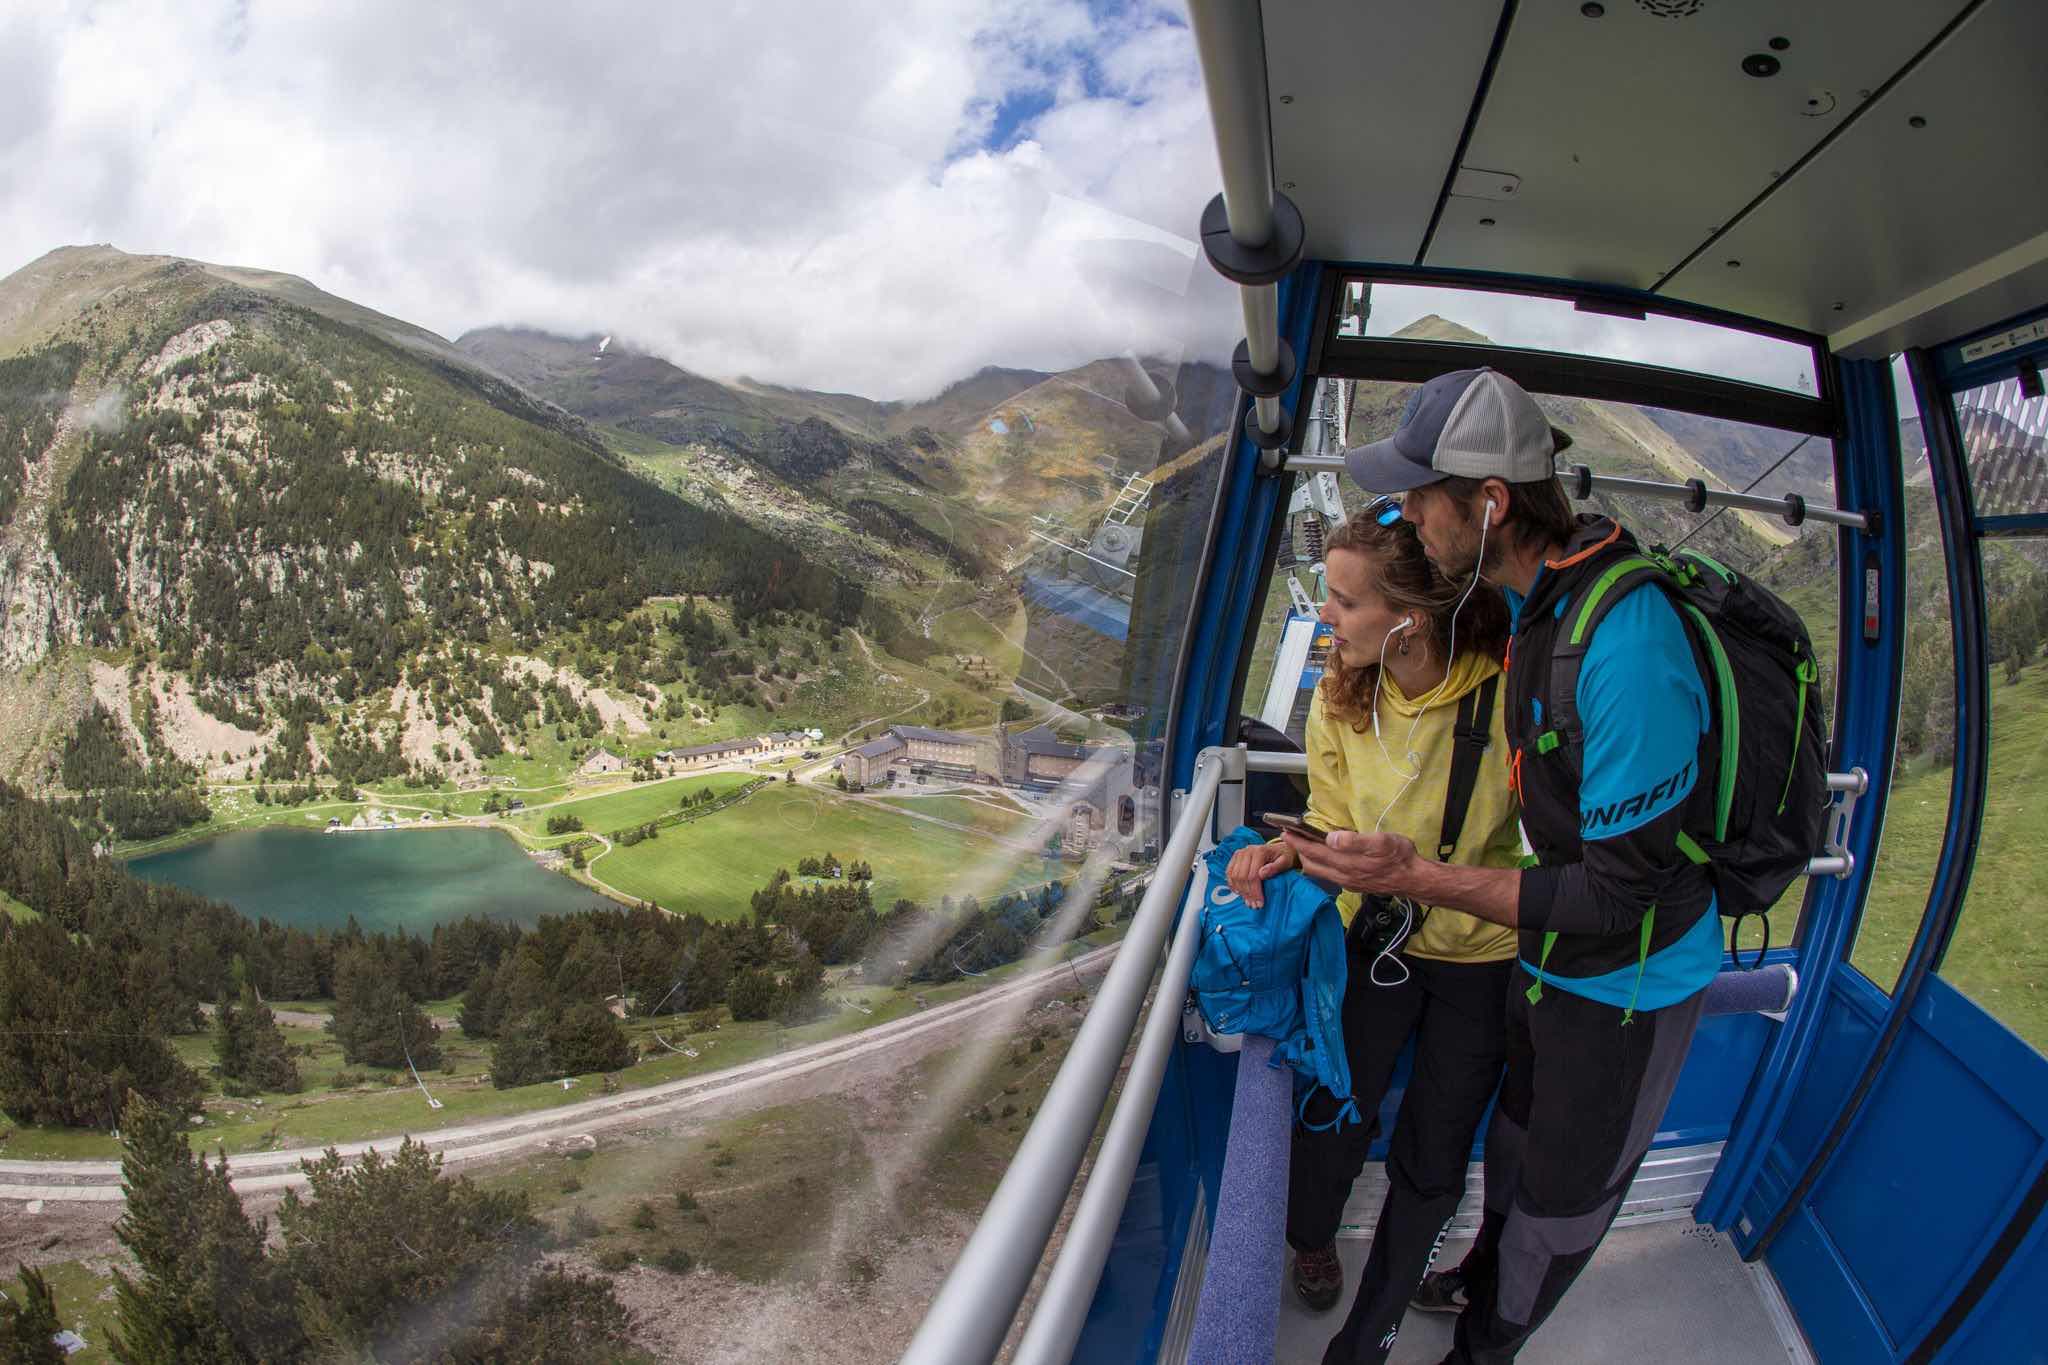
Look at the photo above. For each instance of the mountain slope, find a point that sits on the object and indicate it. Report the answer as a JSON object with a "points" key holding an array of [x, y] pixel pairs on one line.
{"points": [[949, 483], [1641, 443], [274, 509]]}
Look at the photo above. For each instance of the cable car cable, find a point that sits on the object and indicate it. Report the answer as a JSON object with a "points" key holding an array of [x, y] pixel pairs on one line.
{"points": [[1745, 488]]}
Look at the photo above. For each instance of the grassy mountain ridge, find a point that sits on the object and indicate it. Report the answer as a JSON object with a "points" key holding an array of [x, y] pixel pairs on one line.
{"points": [[621, 382], [282, 513]]}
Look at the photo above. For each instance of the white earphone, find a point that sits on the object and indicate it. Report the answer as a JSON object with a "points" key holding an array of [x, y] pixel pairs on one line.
{"points": [[1390, 953]]}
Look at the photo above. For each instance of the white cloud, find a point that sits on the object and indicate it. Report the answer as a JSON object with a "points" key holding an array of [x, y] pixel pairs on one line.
{"points": [[803, 194]]}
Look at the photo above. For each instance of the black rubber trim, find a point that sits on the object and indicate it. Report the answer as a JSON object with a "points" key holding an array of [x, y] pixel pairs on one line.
{"points": [[1876, 97], [1279, 438], [1973, 744], [1254, 266], [1582, 377], [1276, 526], [1155, 410], [1262, 385], [1986, 1275], [1326, 318], [1472, 113], [1572, 291]]}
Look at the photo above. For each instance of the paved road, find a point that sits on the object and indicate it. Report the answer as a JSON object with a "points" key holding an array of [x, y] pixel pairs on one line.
{"points": [[100, 1181]]}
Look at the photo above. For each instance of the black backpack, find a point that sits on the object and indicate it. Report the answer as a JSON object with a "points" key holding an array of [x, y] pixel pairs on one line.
{"points": [[1766, 812]]}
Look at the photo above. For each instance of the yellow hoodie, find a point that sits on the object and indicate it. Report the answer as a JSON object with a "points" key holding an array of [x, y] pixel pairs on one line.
{"points": [[1351, 781]]}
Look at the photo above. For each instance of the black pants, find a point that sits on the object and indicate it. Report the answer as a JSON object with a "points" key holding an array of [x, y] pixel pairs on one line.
{"points": [[1580, 1102], [1454, 1012]]}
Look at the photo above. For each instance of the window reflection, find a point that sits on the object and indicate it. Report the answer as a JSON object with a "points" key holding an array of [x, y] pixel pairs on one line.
{"points": [[1916, 812], [1997, 956]]}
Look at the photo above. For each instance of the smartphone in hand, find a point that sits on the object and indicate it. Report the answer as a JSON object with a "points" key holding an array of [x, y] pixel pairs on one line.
{"points": [[1290, 824]]}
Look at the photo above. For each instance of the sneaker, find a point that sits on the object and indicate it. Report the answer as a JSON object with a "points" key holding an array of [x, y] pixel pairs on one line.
{"points": [[1318, 1277], [1441, 1291]]}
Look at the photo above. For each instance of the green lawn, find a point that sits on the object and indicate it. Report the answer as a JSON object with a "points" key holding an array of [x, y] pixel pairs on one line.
{"points": [[966, 631], [634, 805], [1998, 957], [995, 818], [712, 865]]}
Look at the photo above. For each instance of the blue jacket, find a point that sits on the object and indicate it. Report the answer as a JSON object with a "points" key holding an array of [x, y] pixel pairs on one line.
{"points": [[1277, 971]]}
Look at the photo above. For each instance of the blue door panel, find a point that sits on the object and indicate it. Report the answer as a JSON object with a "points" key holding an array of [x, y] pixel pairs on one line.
{"points": [[2007, 1327], [1848, 1027], [1120, 1315], [1182, 1156], [1837, 1319], [1878, 1204], [1717, 1072], [1949, 1140]]}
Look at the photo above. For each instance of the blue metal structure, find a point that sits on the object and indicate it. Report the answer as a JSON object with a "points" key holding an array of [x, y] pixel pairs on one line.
{"points": [[1883, 1153], [1819, 1110]]}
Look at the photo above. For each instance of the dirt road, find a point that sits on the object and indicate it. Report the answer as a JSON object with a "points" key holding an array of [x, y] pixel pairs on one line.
{"points": [[769, 1080]]}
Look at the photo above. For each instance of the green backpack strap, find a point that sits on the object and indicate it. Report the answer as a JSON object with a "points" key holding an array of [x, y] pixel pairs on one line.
{"points": [[1566, 735], [1610, 587], [1649, 929]]}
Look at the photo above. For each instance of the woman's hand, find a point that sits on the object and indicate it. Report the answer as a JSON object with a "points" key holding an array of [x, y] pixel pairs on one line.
{"points": [[1249, 868]]}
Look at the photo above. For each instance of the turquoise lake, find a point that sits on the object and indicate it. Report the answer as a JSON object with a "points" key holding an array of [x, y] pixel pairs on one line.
{"points": [[387, 879]]}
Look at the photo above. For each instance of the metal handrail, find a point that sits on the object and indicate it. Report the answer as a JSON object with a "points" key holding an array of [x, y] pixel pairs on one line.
{"points": [[1070, 1287], [1649, 488], [972, 1312], [1229, 43], [1831, 864]]}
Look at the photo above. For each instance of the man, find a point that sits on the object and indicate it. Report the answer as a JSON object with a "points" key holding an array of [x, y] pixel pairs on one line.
{"points": [[1618, 930]]}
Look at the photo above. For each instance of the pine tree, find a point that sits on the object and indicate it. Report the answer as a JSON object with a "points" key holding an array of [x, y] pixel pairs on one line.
{"points": [[206, 1292], [28, 1322], [752, 994], [386, 1255], [521, 1056], [587, 1038], [227, 1041], [478, 1016], [798, 999], [375, 1021], [76, 1033], [251, 1048]]}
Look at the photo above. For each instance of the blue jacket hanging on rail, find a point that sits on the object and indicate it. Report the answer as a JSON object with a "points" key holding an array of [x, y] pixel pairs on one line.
{"points": [[1276, 971]]}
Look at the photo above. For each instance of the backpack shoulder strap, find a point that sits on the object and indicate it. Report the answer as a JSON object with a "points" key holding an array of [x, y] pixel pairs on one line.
{"points": [[1609, 587], [1468, 744], [1603, 588]]}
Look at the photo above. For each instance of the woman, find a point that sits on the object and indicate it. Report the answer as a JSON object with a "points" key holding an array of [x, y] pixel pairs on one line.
{"points": [[1412, 652]]}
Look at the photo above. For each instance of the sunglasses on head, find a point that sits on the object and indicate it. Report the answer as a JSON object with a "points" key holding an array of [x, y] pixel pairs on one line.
{"points": [[1384, 509]]}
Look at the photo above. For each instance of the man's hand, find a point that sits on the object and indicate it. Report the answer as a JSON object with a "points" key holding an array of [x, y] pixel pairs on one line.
{"points": [[1388, 864], [1382, 863], [1249, 868]]}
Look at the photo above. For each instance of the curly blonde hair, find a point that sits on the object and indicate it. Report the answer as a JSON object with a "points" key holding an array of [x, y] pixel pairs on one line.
{"points": [[1402, 575]]}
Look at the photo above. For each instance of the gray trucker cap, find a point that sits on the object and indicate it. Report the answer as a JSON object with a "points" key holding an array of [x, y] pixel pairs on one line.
{"points": [[1476, 424]]}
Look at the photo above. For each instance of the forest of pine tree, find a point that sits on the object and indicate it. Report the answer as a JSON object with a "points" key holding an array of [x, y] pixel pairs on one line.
{"points": [[111, 967]]}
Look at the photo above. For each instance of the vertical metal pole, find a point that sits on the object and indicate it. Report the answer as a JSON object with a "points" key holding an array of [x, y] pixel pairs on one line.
{"points": [[972, 1312], [1230, 43]]}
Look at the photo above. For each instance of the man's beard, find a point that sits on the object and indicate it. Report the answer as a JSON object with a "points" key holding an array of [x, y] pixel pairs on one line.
{"points": [[1458, 565]]}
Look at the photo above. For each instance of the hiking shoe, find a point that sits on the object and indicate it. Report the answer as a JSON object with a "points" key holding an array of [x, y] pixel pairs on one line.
{"points": [[1441, 1291], [1318, 1277]]}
